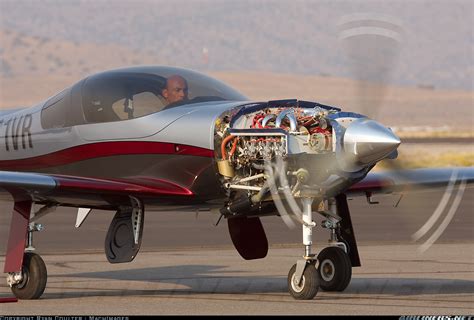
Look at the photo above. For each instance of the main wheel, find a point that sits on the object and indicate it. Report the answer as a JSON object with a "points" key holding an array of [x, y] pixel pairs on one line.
{"points": [[308, 286], [34, 279], [335, 269]]}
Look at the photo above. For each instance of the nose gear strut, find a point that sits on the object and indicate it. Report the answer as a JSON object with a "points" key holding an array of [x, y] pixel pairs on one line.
{"points": [[303, 279], [331, 269]]}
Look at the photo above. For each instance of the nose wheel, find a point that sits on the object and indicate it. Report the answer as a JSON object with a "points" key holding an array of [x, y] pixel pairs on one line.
{"points": [[335, 269], [306, 287], [31, 281], [303, 278]]}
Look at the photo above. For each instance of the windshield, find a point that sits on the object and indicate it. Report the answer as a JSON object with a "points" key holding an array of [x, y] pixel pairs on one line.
{"points": [[201, 87], [135, 92]]}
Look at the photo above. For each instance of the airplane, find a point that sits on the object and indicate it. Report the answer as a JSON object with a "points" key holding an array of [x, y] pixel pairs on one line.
{"points": [[113, 142]]}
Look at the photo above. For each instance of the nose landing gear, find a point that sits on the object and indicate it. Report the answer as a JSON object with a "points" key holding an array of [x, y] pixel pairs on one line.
{"points": [[303, 278], [306, 287], [331, 269], [334, 269]]}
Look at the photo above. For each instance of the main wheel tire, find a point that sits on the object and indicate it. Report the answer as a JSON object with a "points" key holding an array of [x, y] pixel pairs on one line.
{"points": [[308, 286], [34, 280], [335, 269]]}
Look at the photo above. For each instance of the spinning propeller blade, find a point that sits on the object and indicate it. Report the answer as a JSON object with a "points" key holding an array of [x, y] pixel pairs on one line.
{"points": [[372, 43]]}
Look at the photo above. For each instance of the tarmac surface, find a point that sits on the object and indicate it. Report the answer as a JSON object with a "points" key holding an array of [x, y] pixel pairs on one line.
{"points": [[394, 279], [188, 266]]}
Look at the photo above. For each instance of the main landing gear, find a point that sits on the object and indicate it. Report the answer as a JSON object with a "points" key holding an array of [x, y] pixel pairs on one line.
{"points": [[30, 282], [26, 271], [331, 269]]}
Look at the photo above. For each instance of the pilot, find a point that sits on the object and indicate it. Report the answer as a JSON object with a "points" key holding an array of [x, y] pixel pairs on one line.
{"points": [[176, 89]]}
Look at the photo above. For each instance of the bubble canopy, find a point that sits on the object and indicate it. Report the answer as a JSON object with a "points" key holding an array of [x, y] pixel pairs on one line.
{"points": [[129, 93]]}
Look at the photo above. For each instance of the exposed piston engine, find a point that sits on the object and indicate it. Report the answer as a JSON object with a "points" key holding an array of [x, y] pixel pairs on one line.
{"points": [[334, 147]]}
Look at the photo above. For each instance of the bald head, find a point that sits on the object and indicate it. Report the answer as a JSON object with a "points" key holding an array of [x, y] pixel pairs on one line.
{"points": [[176, 89]]}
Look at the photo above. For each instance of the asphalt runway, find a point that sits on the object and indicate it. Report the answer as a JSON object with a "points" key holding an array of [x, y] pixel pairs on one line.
{"points": [[188, 266], [177, 228], [395, 279]]}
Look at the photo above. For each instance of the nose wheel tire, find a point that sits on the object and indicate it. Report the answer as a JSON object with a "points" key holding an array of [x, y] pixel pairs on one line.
{"points": [[308, 287], [335, 269], [34, 279]]}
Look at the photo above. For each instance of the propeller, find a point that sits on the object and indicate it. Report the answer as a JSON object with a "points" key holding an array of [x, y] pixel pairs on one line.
{"points": [[372, 44]]}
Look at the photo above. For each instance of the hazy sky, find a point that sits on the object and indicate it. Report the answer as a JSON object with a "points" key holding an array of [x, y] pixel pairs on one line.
{"points": [[435, 40]]}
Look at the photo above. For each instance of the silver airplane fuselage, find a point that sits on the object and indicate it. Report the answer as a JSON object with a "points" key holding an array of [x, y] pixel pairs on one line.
{"points": [[175, 148]]}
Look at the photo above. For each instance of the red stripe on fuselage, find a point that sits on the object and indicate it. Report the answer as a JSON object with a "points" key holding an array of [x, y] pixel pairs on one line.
{"points": [[153, 187], [103, 149], [371, 183]]}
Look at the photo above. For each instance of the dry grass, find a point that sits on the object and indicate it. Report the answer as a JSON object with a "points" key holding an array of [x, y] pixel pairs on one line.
{"points": [[436, 134], [430, 160]]}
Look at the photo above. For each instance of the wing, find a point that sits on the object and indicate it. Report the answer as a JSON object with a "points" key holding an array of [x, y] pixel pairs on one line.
{"points": [[53, 190], [403, 180], [83, 192]]}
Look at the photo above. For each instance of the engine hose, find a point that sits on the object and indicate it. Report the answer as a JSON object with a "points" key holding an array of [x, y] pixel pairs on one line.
{"points": [[234, 146], [223, 145]]}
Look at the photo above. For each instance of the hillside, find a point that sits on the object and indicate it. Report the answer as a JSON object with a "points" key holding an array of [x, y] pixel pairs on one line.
{"points": [[39, 68], [301, 36]]}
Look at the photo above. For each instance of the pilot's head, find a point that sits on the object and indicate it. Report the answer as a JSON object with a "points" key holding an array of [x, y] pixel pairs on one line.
{"points": [[176, 89]]}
